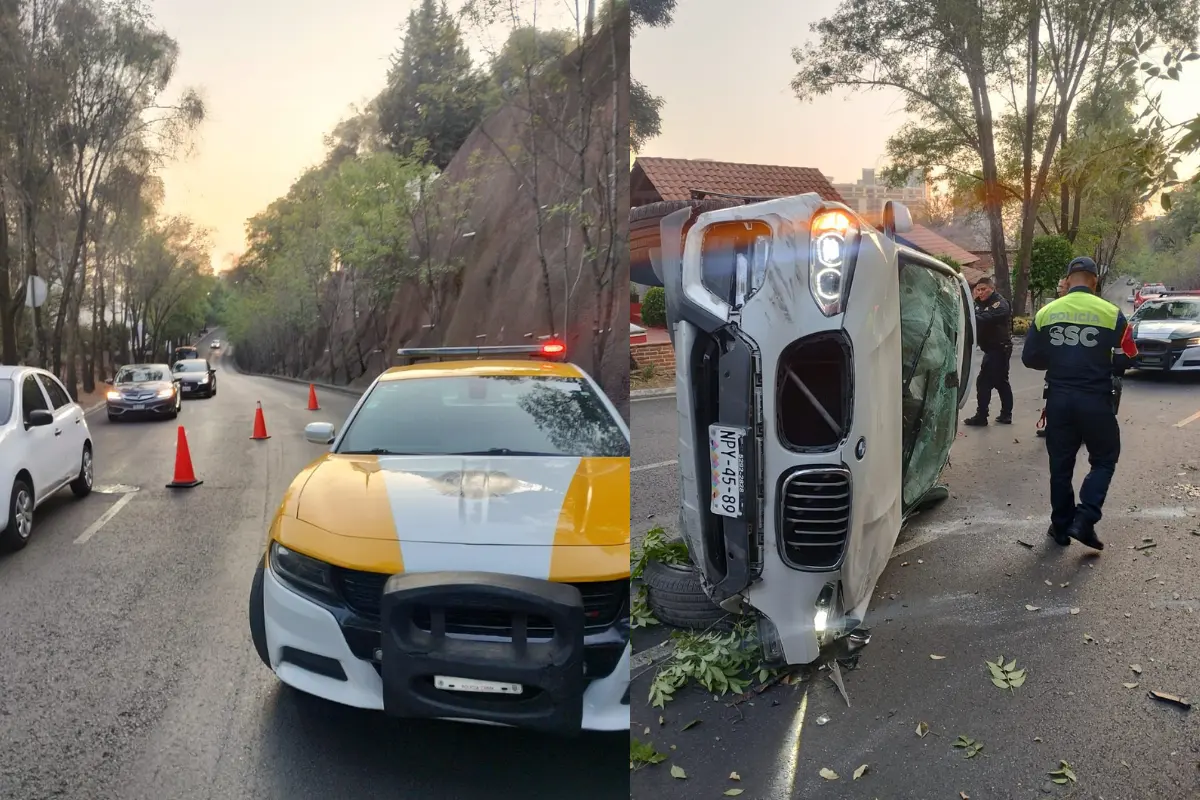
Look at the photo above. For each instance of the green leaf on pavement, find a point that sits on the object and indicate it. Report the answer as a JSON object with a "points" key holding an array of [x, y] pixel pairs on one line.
{"points": [[1005, 675], [642, 753], [677, 772], [858, 773], [1063, 774], [732, 792]]}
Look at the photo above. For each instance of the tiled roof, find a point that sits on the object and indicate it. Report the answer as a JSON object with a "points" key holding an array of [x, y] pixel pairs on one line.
{"points": [[925, 240], [675, 178]]}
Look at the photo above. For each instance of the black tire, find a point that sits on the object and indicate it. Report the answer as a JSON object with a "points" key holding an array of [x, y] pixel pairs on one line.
{"points": [[12, 539], [675, 597], [258, 624], [82, 485]]}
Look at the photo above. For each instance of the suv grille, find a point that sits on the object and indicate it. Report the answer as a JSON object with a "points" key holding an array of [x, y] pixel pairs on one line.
{"points": [[814, 517], [1151, 346], [603, 602]]}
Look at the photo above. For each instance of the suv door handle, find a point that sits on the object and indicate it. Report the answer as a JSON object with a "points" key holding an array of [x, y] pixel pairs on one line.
{"points": [[57, 432]]}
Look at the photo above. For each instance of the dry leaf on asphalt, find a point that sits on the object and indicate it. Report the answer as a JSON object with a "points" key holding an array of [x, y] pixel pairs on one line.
{"points": [[1032, 608], [937, 658], [733, 792], [828, 774], [1049, 583], [1130, 685], [677, 772], [1074, 610], [922, 729], [858, 773], [733, 776], [1137, 668]]}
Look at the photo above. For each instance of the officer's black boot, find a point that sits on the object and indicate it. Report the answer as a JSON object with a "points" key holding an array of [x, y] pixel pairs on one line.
{"points": [[1005, 418], [1061, 538], [1085, 534], [978, 421]]}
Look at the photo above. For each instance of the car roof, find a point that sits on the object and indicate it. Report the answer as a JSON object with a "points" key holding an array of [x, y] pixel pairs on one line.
{"points": [[192, 361], [483, 368], [167, 367], [10, 371]]}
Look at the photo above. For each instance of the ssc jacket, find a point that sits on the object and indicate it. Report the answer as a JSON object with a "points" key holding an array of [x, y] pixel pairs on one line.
{"points": [[993, 323], [1073, 339]]}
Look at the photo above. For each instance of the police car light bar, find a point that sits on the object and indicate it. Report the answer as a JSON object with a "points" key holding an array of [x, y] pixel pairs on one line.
{"points": [[550, 349]]}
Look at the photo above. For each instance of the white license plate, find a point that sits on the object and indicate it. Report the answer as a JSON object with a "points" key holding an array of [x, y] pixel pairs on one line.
{"points": [[139, 406], [728, 470], [452, 684], [1151, 360]]}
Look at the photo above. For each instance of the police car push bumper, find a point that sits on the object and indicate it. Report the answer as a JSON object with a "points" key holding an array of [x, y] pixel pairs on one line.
{"points": [[415, 663]]}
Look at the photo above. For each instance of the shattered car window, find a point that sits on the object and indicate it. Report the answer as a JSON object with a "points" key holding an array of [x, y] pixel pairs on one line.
{"points": [[930, 317]]}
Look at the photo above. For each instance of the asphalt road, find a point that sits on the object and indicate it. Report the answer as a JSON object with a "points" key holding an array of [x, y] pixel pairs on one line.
{"points": [[958, 586], [126, 669]]}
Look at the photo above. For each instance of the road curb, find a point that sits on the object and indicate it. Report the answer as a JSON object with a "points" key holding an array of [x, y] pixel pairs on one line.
{"points": [[330, 387], [647, 394]]}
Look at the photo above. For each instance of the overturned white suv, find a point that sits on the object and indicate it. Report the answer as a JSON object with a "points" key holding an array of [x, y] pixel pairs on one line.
{"points": [[820, 369]]}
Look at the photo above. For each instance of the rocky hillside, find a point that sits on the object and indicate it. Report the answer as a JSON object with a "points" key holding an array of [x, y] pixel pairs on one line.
{"points": [[534, 212]]}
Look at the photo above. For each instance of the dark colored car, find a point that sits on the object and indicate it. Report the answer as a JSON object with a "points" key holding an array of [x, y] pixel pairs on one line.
{"points": [[196, 377], [144, 390]]}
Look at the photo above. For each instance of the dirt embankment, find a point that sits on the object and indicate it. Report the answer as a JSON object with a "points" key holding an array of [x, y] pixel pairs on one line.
{"points": [[563, 167]]}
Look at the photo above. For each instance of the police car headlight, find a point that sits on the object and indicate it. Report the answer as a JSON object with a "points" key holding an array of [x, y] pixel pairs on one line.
{"points": [[1192, 343], [833, 247], [305, 575]]}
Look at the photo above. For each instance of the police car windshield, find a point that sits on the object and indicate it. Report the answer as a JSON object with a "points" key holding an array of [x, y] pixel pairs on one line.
{"points": [[477, 415], [1184, 310]]}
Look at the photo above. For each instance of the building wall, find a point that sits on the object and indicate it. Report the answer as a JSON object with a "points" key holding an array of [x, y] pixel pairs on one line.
{"points": [[868, 195], [660, 355]]}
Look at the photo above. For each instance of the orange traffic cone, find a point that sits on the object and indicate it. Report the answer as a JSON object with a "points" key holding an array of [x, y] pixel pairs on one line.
{"points": [[312, 398], [260, 424], [185, 477]]}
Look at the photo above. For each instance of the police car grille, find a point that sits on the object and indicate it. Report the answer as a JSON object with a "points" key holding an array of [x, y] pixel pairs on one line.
{"points": [[814, 517], [1151, 346], [603, 602]]}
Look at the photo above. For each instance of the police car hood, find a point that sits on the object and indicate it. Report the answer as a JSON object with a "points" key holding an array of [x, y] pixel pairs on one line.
{"points": [[487, 500], [1166, 329]]}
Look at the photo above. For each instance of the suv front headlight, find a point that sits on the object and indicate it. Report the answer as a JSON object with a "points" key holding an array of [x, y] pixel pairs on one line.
{"points": [[301, 572], [833, 250]]}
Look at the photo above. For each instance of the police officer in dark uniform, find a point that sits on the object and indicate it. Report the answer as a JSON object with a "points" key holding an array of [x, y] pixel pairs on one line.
{"points": [[993, 329], [1073, 339]]}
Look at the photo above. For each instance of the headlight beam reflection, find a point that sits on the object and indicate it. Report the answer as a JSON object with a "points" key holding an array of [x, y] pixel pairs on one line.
{"points": [[789, 754]]}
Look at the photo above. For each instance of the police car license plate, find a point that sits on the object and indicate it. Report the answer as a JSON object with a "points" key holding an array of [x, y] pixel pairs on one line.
{"points": [[452, 684], [139, 406], [728, 469], [1151, 361]]}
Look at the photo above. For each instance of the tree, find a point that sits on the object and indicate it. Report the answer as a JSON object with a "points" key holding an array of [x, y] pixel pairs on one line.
{"points": [[434, 93], [958, 60], [1048, 260], [528, 51]]}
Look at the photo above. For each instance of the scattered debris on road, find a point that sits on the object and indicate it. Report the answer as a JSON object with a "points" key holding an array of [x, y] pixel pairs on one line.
{"points": [[1182, 702]]}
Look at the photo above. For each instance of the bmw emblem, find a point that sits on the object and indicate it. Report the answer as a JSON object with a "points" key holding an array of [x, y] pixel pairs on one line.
{"points": [[860, 449]]}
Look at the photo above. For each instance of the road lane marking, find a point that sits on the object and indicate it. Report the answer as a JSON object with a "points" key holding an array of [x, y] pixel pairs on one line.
{"points": [[657, 465], [95, 527], [1189, 420]]}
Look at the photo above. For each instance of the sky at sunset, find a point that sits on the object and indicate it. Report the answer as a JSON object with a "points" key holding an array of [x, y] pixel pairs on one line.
{"points": [[724, 70], [277, 76]]}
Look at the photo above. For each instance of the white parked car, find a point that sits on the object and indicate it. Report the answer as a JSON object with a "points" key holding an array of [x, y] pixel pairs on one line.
{"points": [[45, 445]]}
